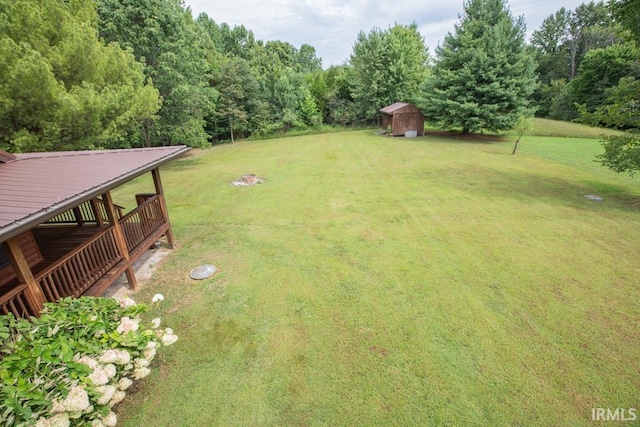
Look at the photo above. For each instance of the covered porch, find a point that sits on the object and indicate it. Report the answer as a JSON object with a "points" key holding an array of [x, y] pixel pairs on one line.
{"points": [[81, 250]]}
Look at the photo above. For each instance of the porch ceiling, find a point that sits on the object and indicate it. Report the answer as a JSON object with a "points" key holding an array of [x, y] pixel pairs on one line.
{"points": [[37, 186]]}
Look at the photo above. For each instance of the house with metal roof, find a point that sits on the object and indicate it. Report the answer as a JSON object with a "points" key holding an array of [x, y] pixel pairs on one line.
{"points": [[62, 235], [403, 118]]}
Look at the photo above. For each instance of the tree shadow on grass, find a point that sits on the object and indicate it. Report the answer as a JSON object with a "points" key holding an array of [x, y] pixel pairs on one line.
{"points": [[457, 137], [187, 161], [532, 187]]}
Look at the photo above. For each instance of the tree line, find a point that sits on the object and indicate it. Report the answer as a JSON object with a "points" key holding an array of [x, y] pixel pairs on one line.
{"points": [[85, 74]]}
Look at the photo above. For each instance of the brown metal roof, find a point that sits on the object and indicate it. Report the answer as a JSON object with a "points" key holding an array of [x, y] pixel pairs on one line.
{"points": [[393, 107], [38, 186], [6, 157]]}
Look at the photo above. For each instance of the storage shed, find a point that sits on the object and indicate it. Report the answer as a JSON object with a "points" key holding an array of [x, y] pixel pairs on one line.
{"points": [[403, 118]]}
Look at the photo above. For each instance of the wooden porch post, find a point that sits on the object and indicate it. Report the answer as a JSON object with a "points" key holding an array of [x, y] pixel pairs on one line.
{"points": [[96, 211], [78, 214], [163, 205], [120, 240], [23, 273]]}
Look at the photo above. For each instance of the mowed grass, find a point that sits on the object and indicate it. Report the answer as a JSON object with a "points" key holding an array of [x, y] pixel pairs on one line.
{"points": [[377, 281], [557, 128]]}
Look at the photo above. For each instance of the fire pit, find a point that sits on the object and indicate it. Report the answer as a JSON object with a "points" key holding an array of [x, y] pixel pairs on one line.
{"points": [[248, 180]]}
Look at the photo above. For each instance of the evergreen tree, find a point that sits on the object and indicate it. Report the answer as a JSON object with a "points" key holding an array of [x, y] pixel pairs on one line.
{"points": [[484, 74], [61, 88]]}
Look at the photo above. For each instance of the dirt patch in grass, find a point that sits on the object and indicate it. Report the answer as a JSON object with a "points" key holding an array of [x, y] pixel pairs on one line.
{"points": [[379, 350]]}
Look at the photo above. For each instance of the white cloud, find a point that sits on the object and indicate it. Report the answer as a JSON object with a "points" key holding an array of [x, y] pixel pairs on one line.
{"points": [[331, 26]]}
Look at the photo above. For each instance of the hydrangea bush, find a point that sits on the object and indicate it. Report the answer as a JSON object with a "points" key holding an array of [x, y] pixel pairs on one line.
{"points": [[74, 363]]}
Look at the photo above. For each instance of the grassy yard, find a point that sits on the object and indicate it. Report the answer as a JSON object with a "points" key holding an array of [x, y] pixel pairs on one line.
{"points": [[377, 281]]}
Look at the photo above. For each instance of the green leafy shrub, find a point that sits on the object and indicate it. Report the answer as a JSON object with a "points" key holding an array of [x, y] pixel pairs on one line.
{"points": [[72, 365], [621, 152]]}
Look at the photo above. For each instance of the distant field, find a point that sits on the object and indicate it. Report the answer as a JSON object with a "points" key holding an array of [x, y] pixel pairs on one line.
{"points": [[555, 128], [381, 281]]}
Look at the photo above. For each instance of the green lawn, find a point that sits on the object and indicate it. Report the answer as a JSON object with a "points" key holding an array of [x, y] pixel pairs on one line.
{"points": [[378, 281], [556, 128]]}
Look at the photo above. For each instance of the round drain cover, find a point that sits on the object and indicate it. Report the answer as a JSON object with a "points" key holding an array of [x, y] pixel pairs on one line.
{"points": [[202, 272]]}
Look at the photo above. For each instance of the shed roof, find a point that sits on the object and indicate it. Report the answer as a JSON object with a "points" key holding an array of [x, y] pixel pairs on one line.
{"points": [[390, 109], [37, 186]]}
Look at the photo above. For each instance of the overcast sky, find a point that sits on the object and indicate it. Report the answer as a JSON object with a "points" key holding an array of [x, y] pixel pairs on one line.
{"points": [[331, 26]]}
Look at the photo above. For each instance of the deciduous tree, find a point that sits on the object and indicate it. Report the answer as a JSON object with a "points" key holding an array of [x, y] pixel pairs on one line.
{"points": [[600, 70], [163, 35], [239, 97], [388, 66]]}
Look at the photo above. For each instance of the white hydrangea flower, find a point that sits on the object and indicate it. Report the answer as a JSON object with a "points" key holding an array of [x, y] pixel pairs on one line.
{"points": [[117, 398], [124, 383], [128, 366], [149, 354], [127, 324], [97, 423], [110, 420], [156, 322], [168, 331], [114, 355], [86, 360], [106, 393], [151, 344], [126, 301], [58, 420], [157, 298], [76, 401], [110, 370], [99, 376], [141, 363], [140, 373], [169, 339]]}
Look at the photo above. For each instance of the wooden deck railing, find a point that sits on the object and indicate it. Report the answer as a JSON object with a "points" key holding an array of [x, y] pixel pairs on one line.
{"points": [[97, 260], [15, 301], [76, 272], [142, 222], [88, 212]]}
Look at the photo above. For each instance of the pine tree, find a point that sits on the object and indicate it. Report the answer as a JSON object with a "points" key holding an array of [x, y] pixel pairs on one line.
{"points": [[484, 74], [61, 87]]}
